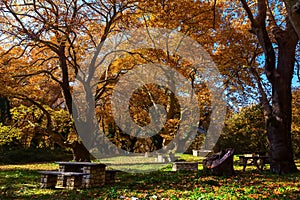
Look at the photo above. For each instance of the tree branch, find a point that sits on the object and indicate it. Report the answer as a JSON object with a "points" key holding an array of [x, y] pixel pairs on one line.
{"points": [[258, 25]]}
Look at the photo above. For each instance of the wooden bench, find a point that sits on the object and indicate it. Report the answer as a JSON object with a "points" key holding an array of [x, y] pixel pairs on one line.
{"points": [[256, 160], [220, 163]]}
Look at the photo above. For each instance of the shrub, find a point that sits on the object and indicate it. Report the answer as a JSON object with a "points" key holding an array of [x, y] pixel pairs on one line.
{"points": [[10, 137]]}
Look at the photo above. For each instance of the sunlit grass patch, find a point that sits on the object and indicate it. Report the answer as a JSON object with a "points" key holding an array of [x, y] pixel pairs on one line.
{"points": [[32, 166]]}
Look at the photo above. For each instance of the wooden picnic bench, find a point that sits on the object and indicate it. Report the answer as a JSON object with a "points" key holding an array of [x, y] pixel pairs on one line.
{"points": [[253, 159]]}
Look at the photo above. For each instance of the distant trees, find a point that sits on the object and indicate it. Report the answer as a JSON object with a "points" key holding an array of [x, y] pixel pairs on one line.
{"points": [[245, 131], [296, 122]]}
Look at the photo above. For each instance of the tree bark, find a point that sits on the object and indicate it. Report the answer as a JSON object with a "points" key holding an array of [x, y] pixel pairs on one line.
{"points": [[5, 115], [279, 123], [293, 8], [279, 70], [80, 153]]}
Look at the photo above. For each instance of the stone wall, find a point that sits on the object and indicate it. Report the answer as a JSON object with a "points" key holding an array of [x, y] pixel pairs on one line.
{"points": [[95, 176], [48, 180]]}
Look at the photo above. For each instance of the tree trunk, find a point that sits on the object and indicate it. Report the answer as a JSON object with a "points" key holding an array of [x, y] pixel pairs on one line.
{"points": [[281, 153], [80, 153], [5, 115], [279, 122], [279, 68]]}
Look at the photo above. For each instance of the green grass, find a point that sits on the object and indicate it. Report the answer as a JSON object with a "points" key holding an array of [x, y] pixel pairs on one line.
{"points": [[22, 182]]}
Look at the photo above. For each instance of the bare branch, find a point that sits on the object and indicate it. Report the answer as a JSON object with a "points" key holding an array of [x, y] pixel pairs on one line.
{"points": [[40, 72], [259, 29], [249, 12]]}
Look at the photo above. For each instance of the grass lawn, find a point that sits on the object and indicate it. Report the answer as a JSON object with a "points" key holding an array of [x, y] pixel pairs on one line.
{"points": [[22, 182]]}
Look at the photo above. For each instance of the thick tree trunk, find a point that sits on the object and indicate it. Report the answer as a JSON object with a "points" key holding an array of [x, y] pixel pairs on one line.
{"points": [[279, 122], [281, 153], [80, 153]]}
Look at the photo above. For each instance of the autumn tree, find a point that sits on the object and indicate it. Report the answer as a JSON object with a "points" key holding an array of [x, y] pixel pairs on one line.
{"points": [[198, 24], [56, 38], [230, 44], [147, 97], [278, 40]]}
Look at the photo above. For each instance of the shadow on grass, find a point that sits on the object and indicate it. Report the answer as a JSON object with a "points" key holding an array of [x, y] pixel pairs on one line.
{"points": [[33, 155]]}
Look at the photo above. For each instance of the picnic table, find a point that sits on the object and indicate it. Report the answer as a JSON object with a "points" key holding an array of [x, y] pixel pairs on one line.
{"points": [[79, 166], [71, 175], [253, 159]]}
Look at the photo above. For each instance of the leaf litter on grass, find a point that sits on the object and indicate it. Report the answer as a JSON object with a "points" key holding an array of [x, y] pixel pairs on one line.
{"points": [[22, 182]]}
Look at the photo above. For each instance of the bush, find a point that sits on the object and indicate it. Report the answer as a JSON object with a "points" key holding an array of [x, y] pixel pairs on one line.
{"points": [[10, 137]]}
